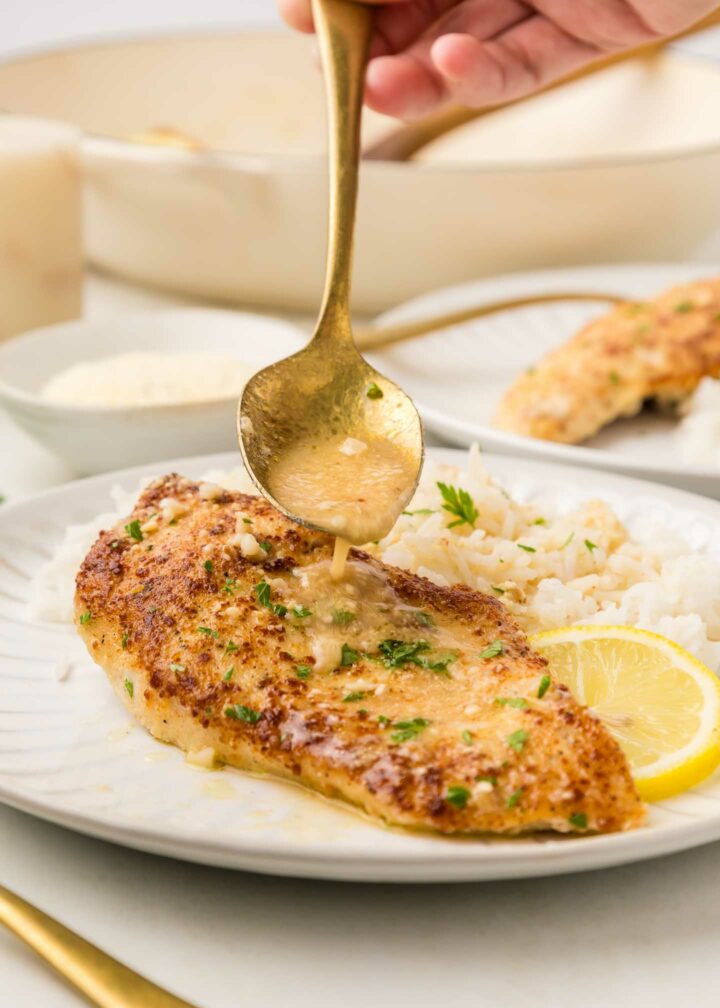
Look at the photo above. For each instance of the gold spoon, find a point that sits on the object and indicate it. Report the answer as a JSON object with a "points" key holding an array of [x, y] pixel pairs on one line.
{"points": [[371, 337], [294, 415], [103, 980]]}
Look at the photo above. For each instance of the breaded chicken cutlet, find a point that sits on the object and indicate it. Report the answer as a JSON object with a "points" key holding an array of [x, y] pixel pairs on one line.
{"points": [[656, 350], [219, 626]]}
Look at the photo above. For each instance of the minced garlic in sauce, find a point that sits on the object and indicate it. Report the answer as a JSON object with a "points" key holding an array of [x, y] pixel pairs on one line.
{"points": [[148, 379]]}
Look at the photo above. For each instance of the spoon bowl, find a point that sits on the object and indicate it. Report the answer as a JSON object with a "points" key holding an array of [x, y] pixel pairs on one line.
{"points": [[327, 402], [328, 440]]}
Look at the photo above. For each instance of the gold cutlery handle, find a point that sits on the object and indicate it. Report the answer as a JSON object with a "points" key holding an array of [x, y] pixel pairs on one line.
{"points": [[343, 30], [377, 336], [102, 979]]}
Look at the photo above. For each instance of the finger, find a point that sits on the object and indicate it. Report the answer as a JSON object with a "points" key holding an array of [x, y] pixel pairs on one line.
{"points": [[516, 63], [297, 13], [669, 16], [610, 25], [400, 25], [619, 24], [402, 86], [408, 85]]}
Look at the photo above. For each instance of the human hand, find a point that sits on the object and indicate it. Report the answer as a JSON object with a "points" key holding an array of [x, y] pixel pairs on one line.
{"points": [[486, 52]]}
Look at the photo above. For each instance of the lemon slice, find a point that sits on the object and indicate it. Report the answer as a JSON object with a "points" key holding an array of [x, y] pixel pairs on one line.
{"points": [[661, 704]]}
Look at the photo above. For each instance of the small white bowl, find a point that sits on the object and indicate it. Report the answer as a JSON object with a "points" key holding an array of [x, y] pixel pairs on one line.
{"points": [[93, 439]]}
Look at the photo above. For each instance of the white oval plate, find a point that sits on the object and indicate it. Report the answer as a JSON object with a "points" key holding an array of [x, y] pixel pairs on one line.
{"points": [[458, 375], [70, 754]]}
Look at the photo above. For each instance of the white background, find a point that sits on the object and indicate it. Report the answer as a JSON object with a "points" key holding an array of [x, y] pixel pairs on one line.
{"points": [[34, 23], [630, 937]]}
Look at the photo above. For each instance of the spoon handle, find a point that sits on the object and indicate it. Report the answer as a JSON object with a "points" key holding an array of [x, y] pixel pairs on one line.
{"points": [[343, 30], [375, 336], [103, 980]]}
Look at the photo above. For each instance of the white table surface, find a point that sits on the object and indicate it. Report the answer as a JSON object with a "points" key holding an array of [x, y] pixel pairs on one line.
{"points": [[629, 937]]}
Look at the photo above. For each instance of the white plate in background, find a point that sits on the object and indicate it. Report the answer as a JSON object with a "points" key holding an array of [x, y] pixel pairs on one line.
{"points": [[69, 752], [458, 375]]}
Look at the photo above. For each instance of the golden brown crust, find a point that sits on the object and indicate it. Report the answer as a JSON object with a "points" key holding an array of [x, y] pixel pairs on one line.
{"points": [[658, 350], [174, 612]]}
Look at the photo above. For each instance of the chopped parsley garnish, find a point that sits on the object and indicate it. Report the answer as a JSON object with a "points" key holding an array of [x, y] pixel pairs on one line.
{"points": [[130, 688], [458, 502], [176, 667], [467, 737], [303, 671], [300, 611], [124, 641], [498, 590], [208, 565], [517, 740], [423, 618], [354, 697], [614, 378], [567, 541], [265, 546], [590, 546], [229, 674], [543, 687], [341, 617], [348, 656], [487, 780], [86, 617], [492, 650], [408, 730], [540, 521], [458, 796], [397, 654], [684, 307], [262, 590], [374, 391], [208, 631], [134, 531], [528, 549], [578, 820], [439, 664], [383, 720], [230, 586], [230, 647], [420, 511], [247, 521], [514, 798], [114, 544], [240, 712], [520, 703]]}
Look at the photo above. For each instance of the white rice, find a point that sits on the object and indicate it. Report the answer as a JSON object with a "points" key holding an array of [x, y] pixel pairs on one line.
{"points": [[580, 567]]}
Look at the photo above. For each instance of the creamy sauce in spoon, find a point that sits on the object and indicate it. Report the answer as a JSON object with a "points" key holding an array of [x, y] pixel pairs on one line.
{"points": [[354, 488]]}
